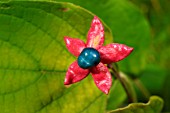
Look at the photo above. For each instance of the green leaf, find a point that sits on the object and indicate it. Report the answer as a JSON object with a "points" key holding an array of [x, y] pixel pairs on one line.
{"points": [[153, 78], [154, 105], [34, 59], [128, 26]]}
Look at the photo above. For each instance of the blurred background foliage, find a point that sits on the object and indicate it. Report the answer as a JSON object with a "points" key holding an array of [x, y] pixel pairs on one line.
{"points": [[144, 25], [156, 77], [149, 33]]}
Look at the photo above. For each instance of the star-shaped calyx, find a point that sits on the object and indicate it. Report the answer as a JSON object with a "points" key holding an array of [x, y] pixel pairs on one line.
{"points": [[92, 57]]}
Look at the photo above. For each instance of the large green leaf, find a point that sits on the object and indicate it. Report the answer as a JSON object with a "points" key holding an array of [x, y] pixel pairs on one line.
{"points": [[153, 78], [154, 105], [34, 59]]}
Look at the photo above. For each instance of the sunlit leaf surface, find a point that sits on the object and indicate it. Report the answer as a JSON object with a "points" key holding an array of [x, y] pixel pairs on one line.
{"points": [[34, 59]]}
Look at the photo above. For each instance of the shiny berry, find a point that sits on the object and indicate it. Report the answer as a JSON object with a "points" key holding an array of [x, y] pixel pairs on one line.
{"points": [[88, 58]]}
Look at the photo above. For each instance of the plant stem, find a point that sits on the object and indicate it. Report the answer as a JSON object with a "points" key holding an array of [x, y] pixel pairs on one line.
{"points": [[156, 6], [142, 88], [118, 76]]}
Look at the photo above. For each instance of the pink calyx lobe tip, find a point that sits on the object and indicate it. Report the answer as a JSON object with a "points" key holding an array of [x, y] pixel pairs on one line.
{"points": [[95, 37]]}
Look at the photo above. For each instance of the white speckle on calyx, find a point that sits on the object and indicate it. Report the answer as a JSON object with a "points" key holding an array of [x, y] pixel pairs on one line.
{"points": [[68, 42], [102, 82]]}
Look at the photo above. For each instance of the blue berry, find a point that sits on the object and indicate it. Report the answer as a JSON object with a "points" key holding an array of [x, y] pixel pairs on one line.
{"points": [[88, 58]]}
